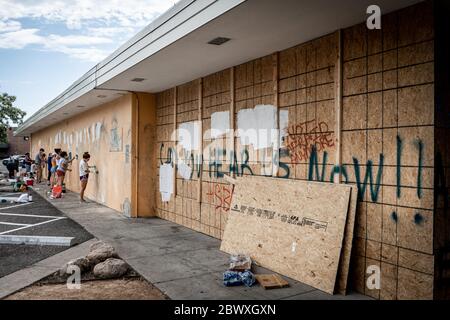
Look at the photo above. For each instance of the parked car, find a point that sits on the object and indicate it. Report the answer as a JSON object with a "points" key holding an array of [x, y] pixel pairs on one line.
{"points": [[15, 157]]}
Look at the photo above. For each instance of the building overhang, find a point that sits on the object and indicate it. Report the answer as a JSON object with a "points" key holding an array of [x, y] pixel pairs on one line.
{"points": [[174, 49]]}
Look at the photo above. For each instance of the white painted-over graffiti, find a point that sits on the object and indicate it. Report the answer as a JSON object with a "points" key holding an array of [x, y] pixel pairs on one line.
{"points": [[189, 135], [258, 126], [220, 124], [58, 137], [92, 129], [98, 130], [184, 170], [88, 135]]}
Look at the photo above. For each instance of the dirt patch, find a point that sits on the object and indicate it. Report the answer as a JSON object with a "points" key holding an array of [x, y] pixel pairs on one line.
{"points": [[117, 289]]}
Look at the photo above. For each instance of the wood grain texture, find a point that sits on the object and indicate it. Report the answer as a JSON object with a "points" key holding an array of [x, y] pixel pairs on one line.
{"points": [[295, 228]]}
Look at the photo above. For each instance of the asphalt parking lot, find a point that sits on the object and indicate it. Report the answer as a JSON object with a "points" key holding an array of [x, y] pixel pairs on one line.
{"points": [[37, 218]]}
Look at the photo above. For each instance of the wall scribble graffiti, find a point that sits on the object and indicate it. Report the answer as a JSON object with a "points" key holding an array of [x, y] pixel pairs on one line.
{"points": [[302, 136]]}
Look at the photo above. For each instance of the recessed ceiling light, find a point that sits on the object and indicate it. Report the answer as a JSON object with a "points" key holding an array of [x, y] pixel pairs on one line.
{"points": [[81, 106], [101, 96], [219, 41], [138, 79]]}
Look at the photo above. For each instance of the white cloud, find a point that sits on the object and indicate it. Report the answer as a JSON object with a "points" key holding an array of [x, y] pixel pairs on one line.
{"points": [[75, 14], [19, 39], [86, 54], [94, 27], [9, 25], [77, 40]]}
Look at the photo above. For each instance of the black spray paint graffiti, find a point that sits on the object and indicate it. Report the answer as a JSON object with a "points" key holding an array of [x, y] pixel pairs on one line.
{"points": [[217, 167], [314, 173], [371, 179]]}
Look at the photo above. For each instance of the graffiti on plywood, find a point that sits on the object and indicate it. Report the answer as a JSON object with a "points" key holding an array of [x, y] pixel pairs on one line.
{"points": [[302, 136], [221, 195]]}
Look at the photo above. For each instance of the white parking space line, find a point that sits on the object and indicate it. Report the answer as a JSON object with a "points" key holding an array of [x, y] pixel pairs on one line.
{"points": [[9, 199], [14, 224], [16, 206], [27, 215], [32, 225]]}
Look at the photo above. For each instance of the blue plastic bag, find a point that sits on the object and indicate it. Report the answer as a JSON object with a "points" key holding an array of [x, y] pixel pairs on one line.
{"points": [[234, 278]]}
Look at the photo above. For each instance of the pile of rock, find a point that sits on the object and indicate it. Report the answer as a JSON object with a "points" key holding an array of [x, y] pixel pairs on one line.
{"points": [[102, 259]]}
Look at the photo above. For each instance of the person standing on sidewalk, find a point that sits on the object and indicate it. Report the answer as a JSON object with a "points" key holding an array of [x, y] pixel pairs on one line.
{"points": [[13, 167], [38, 163], [27, 162], [84, 174], [63, 166], [49, 167], [55, 161]]}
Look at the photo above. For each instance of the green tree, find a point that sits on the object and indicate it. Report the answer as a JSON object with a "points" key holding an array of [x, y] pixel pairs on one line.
{"points": [[8, 115]]}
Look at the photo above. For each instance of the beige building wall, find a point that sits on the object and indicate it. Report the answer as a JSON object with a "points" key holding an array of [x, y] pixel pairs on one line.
{"points": [[119, 136], [106, 133]]}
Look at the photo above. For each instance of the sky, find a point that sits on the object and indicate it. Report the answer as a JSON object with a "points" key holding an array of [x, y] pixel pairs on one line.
{"points": [[46, 45]]}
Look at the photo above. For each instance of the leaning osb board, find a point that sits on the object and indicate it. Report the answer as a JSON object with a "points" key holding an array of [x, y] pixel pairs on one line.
{"points": [[295, 228], [344, 265]]}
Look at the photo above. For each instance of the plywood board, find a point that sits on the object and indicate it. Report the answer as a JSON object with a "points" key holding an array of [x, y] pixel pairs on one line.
{"points": [[344, 265], [295, 228]]}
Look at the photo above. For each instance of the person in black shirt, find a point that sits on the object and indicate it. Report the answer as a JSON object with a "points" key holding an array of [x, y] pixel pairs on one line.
{"points": [[12, 166], [27, 162]]}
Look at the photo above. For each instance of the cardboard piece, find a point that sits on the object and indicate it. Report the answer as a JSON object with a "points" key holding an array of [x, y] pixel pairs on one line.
{"points": [[271, 281], [295, 228]]}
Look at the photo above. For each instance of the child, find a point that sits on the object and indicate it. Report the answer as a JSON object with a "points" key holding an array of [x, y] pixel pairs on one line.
{"points": [[84, 174], [55, 161]]}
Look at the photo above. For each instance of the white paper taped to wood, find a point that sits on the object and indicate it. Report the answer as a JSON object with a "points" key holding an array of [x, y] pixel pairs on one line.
{"points": [[165, 181], [189, 135], [258, 126], [184, 170], [220, 124]]}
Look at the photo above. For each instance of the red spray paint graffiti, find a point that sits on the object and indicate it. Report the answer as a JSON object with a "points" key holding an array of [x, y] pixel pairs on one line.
{"points": [[303, 136], [221, 195]]}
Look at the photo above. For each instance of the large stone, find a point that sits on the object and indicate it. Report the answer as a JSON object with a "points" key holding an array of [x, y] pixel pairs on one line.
{"points": [[99, 252], [81, 263], [111, 268]]}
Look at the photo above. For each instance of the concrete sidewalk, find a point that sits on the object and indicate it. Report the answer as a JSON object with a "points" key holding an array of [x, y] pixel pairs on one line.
{"points": [[182, 263]]}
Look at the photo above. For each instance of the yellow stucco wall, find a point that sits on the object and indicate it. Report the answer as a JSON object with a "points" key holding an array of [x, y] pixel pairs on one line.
{"points": [[106, 133]]}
